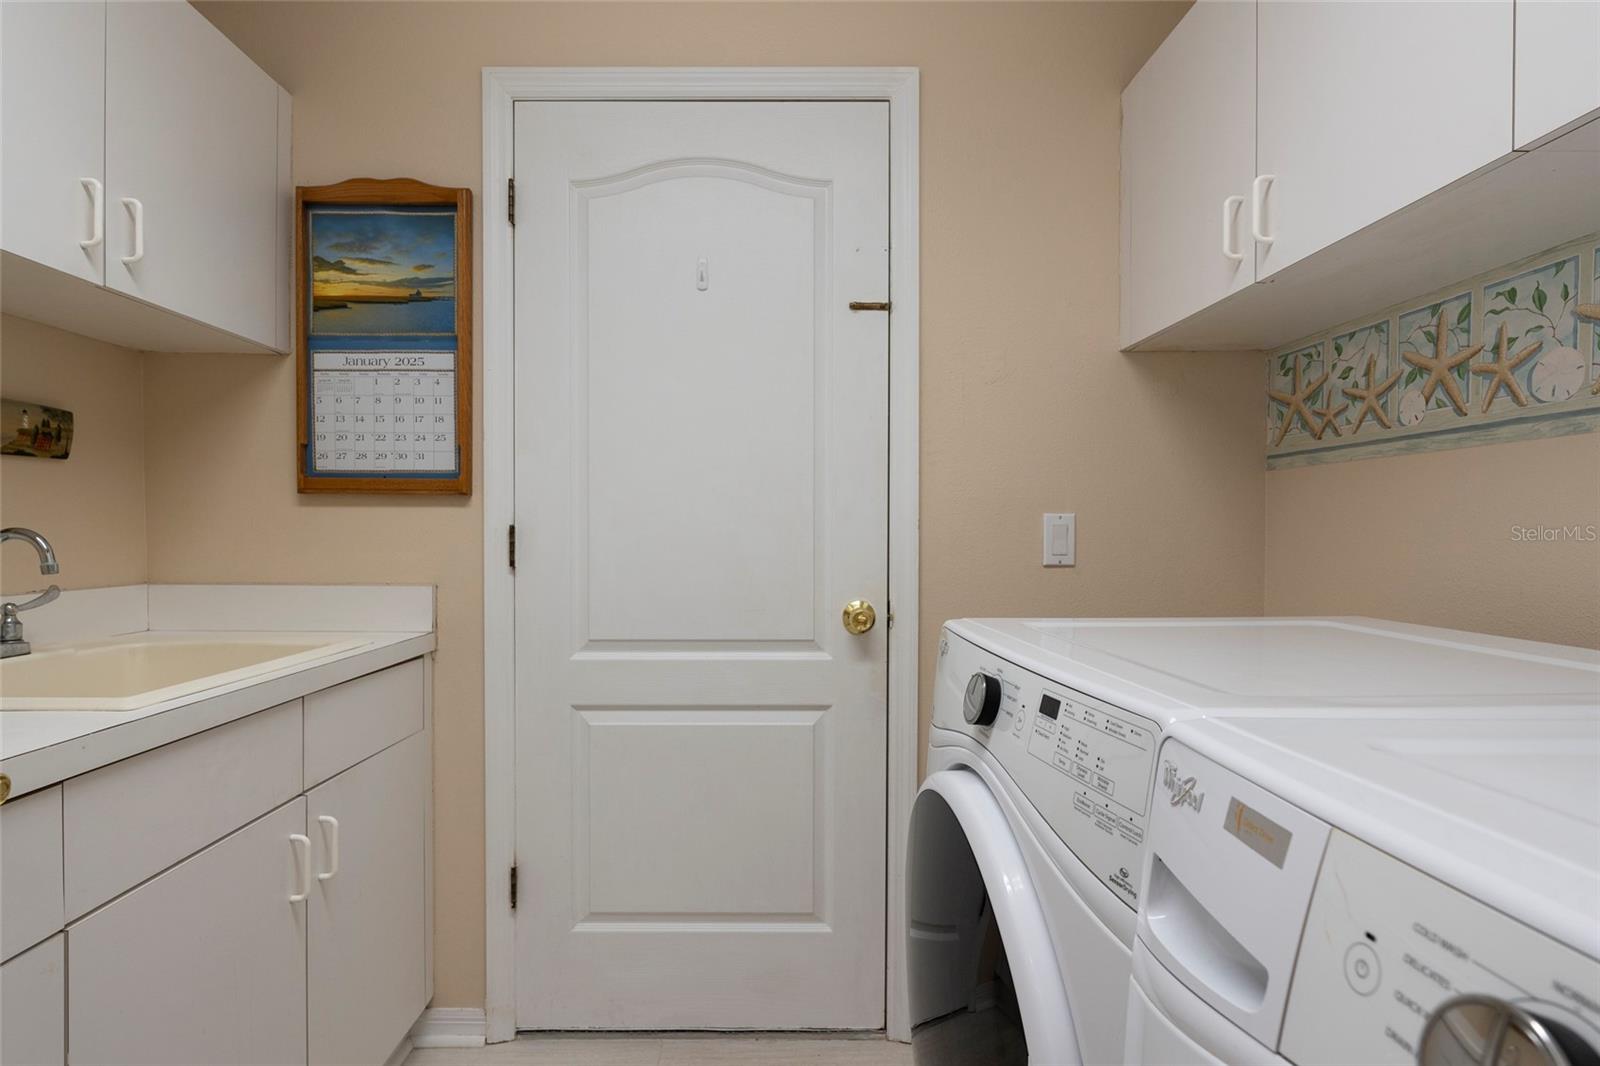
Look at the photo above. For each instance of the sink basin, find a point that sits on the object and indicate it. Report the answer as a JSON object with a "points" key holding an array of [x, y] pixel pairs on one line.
{"points": [[128, 673]]}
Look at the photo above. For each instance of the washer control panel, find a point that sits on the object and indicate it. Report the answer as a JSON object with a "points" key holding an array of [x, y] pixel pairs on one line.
{"points": [[1110, 752], [1386, 946], [1086, 766]]}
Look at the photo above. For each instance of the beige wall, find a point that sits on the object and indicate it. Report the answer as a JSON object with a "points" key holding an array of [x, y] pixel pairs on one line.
{"points": [[90, 505], [1434, 538], [1027, 406]]}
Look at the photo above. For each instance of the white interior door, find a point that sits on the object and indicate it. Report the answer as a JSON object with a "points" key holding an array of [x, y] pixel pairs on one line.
{"points": [[701, 485]]}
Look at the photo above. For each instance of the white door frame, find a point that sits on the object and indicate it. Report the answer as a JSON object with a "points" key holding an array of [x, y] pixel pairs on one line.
{"points": [[502, 88]]}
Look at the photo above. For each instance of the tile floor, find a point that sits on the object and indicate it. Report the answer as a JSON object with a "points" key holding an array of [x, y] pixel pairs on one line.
{"points": [[674, 1049]]}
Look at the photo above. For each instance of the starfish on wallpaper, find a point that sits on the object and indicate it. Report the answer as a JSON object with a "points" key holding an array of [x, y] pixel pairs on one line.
{"points": [[1440, 366], [1371, 397], [1294, 402], [1328, 415], [1591, 313], [1501, 366]]}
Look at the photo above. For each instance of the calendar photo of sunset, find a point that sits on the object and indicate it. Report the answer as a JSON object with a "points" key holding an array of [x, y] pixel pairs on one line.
{"points": [[388, 271]]}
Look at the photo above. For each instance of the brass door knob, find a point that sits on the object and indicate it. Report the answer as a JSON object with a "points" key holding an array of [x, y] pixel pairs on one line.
{"points": [[859, 617]]}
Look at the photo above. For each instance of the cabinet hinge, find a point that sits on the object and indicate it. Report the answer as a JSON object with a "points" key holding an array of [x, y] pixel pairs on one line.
{"points": [[513, 888], [511, 200], [511, 546]]}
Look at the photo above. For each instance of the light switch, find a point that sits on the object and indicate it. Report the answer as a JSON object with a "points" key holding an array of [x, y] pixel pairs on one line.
{"points": [[1060, 539]]}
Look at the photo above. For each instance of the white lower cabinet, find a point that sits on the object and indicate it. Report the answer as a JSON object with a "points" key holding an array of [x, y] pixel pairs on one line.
{"points": [[204, 964], [33, 1006], [225, 913], [366, 967]]}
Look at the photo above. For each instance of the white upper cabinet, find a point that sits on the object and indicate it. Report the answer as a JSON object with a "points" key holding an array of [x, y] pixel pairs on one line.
{"points": [[1557, 67], [53, 98], [1188, 157], [137, 127], [191, 170], [1363, 109], [1380, 150]]}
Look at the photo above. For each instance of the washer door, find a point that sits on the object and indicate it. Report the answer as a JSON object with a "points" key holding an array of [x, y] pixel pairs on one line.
{"points": [[982, 974]]}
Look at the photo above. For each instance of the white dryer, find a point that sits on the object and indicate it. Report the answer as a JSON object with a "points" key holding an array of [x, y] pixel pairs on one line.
{"points": [[1410, 891], [1025, 865]]}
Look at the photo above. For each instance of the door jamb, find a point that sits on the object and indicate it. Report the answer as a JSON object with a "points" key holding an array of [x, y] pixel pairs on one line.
{"points": [[502, 88]]}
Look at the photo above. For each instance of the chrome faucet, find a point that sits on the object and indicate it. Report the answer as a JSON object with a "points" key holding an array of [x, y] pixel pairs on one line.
{"points": [[11, 642]]}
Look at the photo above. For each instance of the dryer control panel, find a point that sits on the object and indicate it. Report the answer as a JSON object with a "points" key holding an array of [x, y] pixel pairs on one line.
{"points": [[1386, 946], [1086, 766]]}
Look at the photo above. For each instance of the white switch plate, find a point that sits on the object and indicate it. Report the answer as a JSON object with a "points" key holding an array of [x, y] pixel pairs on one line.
{"points": [[1060, 540]]}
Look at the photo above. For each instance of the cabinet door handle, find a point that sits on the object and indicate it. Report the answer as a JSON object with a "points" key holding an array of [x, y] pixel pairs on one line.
{"points": [[136, 209], [1258, 207], [331, 831], [97, 228], [302, 845], [1230, 218]]}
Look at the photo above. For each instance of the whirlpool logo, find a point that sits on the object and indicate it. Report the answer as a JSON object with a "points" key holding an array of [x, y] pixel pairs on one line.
{"points": [[1180, 789]]}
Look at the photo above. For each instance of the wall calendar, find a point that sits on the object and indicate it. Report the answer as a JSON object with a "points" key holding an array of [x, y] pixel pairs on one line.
{"points": [[384, 398]]}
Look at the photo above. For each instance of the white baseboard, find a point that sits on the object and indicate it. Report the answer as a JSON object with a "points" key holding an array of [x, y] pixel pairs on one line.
{"points": [[449, 1027]]}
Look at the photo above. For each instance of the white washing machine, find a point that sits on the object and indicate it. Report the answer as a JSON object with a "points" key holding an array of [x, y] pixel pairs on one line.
{"points": [[1412, 891], [1025, 864]]}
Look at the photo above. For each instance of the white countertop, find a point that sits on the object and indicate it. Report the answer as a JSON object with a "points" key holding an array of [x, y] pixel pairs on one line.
{"points": [[40, 748], [1178, 668]]}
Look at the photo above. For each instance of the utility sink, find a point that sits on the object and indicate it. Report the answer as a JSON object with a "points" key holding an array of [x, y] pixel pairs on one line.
{"points": [[127, 673]]}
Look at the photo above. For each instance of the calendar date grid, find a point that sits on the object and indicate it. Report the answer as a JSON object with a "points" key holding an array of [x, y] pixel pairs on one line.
{"points": [[384, 413]]}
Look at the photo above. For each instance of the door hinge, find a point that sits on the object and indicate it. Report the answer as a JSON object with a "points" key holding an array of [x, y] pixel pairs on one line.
{"points": [[511, 200], [511, 546], [513, 888]]}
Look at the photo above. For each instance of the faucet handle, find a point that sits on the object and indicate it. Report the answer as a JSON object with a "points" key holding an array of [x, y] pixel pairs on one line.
{"points": [[49, 595]]}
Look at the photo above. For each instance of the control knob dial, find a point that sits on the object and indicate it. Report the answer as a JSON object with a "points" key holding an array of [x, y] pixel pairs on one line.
{"points": [[982, 704]]}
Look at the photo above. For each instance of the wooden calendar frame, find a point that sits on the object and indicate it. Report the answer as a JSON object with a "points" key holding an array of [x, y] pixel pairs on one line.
{"points": [[380, 193]]}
